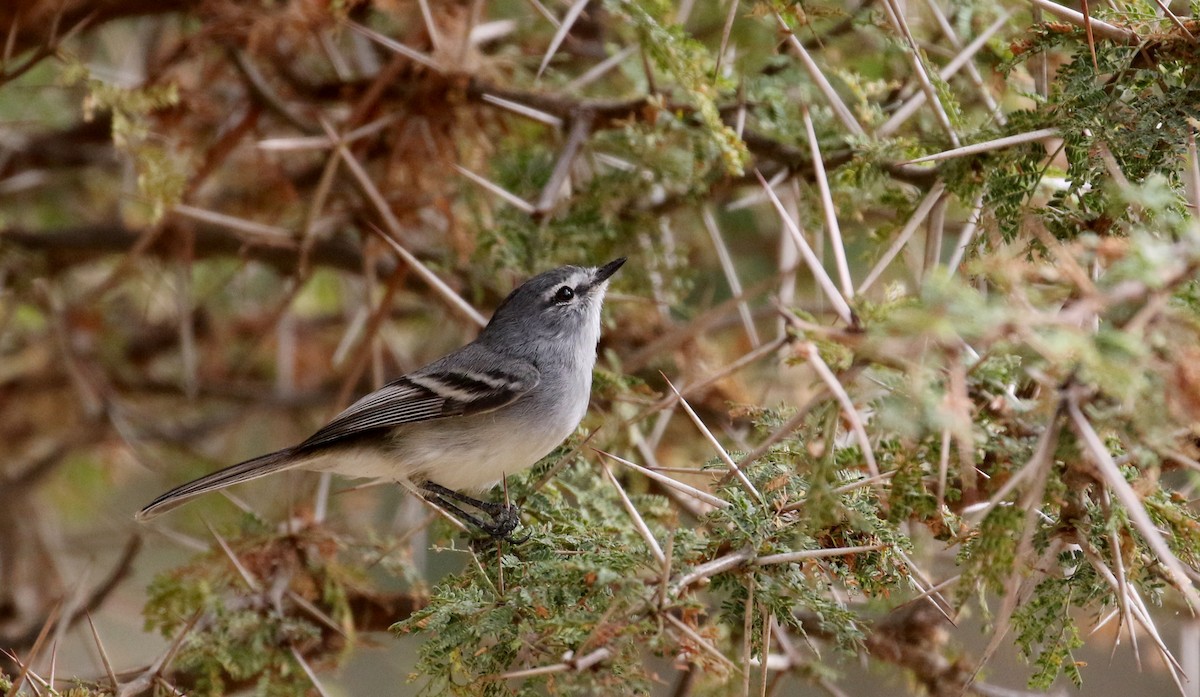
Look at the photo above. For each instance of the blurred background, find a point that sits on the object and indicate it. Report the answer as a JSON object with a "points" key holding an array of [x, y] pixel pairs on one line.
{"points": [[221, 222]]}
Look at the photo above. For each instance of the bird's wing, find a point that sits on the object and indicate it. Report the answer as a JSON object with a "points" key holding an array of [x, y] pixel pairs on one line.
{"points": [[443, 388], [436, 391]]}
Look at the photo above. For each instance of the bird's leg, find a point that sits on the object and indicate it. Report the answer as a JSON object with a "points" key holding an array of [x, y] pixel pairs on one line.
{"points": [[505, 518]]}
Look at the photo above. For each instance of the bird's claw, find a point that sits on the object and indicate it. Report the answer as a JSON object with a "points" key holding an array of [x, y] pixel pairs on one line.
{"points": [[504, 517]]}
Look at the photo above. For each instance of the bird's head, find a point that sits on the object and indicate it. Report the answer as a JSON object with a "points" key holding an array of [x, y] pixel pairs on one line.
{"points": [[561, 304]]}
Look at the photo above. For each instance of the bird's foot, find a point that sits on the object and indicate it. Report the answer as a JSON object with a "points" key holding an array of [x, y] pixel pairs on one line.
{"points": [[504, 517]]}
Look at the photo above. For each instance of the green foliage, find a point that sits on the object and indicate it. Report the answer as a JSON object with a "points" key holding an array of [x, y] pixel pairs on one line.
{"points": [[245, 624], [1047, 633], [161, 171], [585, 580], [1078, 288], [581, 582], [1143, 121], [691, 65], [988, 556]]}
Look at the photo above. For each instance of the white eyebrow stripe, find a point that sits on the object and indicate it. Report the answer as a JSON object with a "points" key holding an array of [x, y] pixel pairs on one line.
{"points": [[576, 279]]}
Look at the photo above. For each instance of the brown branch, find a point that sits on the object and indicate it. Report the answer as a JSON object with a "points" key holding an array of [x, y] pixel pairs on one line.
{"points": [[82, 144], [913, 637], [38, 22], [616, 113], [65, 248]]}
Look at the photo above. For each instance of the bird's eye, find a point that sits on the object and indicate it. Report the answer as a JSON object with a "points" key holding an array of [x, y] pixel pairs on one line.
{"points": [[564, 294]]}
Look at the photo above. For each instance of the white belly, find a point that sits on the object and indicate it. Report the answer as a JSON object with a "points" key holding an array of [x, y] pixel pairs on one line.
{"points": [[469, 453]]}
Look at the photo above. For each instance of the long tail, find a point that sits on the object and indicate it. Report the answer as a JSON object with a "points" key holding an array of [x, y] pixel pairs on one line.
{"points": [[246, 471]]}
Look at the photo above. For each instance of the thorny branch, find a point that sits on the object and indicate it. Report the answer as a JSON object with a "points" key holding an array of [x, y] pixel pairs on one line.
{"points": [[411, 110]]}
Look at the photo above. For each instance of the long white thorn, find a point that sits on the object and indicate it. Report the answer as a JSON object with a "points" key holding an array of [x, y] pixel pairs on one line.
{"points": [[831, 221], [1138, 516], [810, 258]]}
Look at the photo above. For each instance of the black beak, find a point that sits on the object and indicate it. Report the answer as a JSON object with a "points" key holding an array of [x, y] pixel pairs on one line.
{"points": [[604, 272]]}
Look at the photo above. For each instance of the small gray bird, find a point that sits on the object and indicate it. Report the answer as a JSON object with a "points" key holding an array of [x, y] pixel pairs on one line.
{"points": [[491, 408]]}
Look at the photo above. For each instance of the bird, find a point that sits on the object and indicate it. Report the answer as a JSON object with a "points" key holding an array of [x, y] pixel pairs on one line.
{"points": [[460, 424]]}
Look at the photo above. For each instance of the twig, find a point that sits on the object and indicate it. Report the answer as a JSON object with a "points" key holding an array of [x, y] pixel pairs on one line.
{"points": [[247, 577], [1091, 38], [108, 669], [840, 110], [507, 196], [668, 481], [145, 679], [27, 666], [713, 567], [541, 9], [1101, 28], [317, 614], [895, 13], [730, 271], [1193, 171], [681, 335], [838, 491], [577, 664], [393, 45], [747, 633], [564, 28], [435, 37], [965, 53], [389, 219], [848, 409], [767, 623], [581, 128], [989, 145], [524, 110], [324, 142], [1166, 9], [1008, 605], [928, 590], [1123, 590], [785, 429], [1138, 516], [600, 69], [716, 445], [700, 641], [806, 554], [252, 232], [1037, 462], [726, 30], [261, 89], [943, 468], [810, 258], [763, 351], [308, 671], [831, 221], [906, 233], [1139, 610], [967, 233], [636, 516]]}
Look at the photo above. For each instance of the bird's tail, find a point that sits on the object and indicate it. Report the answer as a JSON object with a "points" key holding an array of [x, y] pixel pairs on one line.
{"points": [[246, 471]]}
